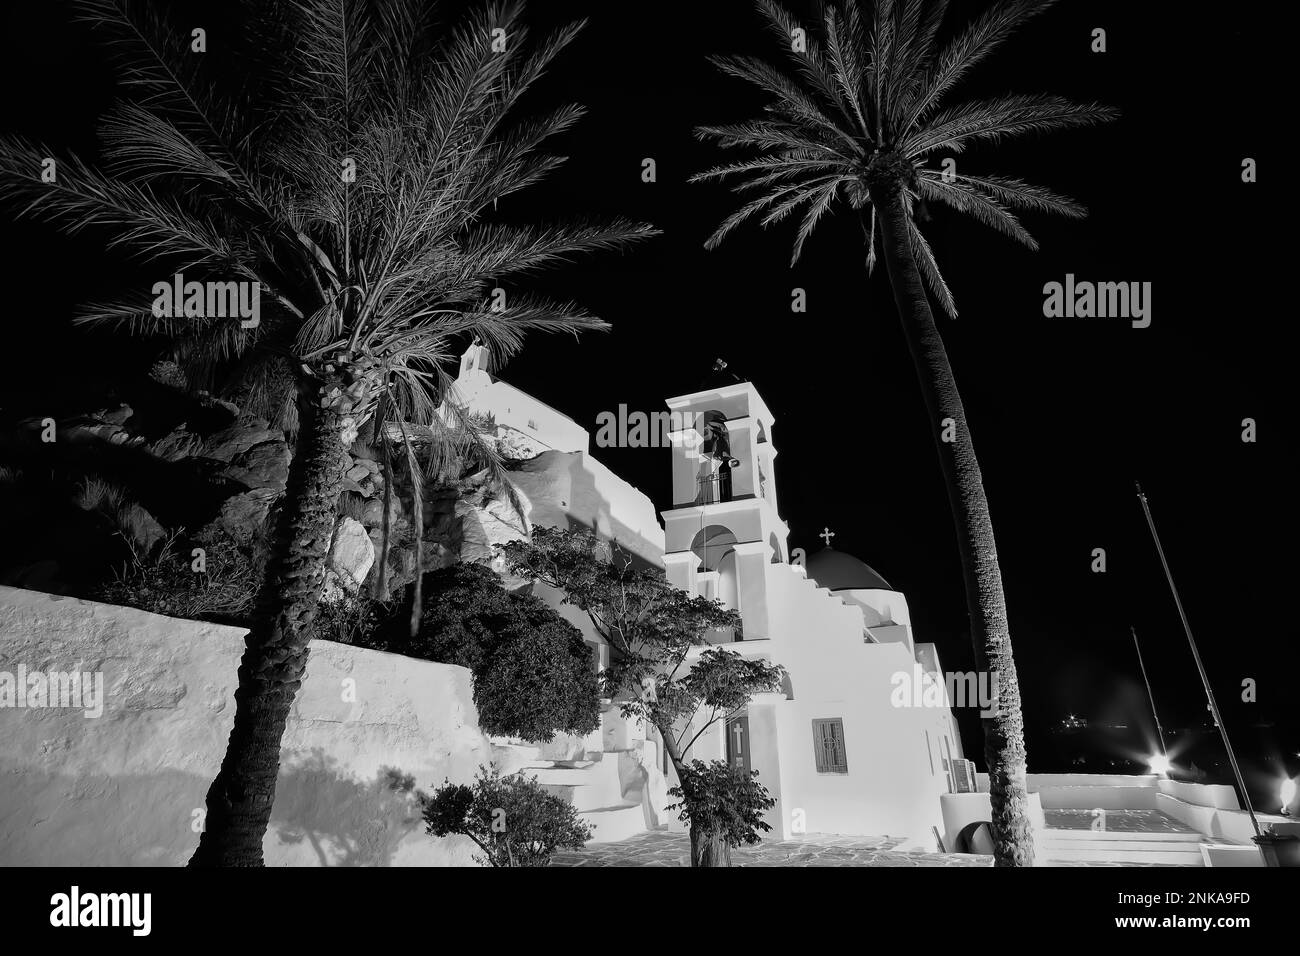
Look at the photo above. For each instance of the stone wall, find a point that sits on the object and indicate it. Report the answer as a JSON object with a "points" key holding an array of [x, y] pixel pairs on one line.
{"points": [[126, 788]]}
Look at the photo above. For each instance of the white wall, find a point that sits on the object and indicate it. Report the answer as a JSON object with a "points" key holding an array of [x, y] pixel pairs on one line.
{"points": [[1210, 809], [895, 756], [513, 409], [122, 789], [961, 809], [573, 489]]}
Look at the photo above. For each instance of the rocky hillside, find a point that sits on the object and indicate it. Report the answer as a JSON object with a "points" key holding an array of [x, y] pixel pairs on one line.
{"points": [[95, 499]]}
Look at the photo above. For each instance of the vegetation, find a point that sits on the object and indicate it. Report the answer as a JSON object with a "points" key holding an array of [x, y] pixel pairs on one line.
{"points": [[512, 819], [723, 806], [353, 619], [347, 160], [533, 672], [661, 669], [216, 584], [863, 121]]}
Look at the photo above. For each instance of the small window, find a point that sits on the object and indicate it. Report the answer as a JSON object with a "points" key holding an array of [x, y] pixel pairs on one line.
{"points": [[828, 745]]}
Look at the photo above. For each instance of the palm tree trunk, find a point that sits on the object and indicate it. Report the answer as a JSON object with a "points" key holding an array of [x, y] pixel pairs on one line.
{"points": [[1004, 746], [275, 658]]}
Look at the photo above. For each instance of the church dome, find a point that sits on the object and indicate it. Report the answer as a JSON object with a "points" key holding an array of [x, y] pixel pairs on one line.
{"points": [[839, 571]]}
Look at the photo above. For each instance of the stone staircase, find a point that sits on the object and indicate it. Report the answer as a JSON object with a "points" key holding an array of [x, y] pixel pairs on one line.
{"points": [[1120, 847], [608, 777], [596, 790]]}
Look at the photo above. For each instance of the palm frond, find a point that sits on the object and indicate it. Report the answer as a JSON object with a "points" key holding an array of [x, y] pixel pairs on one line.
{"points": [[244, 181], [1018, 194], [764, 165], [155, 64], [929, 269], [501, 250], [966, 52], [140, 146], [142, 224], [811, 62], [764, 134], [801, 193], [792, 101], [979, 207], [825, 195], [871, 243], [1006, 116], [844, 41]]}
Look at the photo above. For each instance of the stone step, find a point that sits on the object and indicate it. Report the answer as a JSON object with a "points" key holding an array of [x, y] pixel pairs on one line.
{"points": [[616, 822], [1121, 836], [1123, 846], [1167, 854], [586, 788]]}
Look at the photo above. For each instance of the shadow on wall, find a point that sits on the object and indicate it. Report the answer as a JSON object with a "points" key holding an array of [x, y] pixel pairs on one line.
{"points": [[589, 509], [322, 817], [127, 788], [344, 821]]}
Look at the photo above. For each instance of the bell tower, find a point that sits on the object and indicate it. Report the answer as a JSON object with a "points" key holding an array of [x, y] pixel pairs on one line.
{"points": [[723, 525]]}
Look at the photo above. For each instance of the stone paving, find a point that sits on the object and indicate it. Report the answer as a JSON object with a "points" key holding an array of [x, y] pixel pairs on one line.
{"points": [[661, 848]]}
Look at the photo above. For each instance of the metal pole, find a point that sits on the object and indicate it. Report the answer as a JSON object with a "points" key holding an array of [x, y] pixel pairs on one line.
{"points": [[1150, 696], [1196, 655]]}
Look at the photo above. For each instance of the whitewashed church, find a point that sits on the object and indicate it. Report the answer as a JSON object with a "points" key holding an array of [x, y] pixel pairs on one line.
{"points": [[836, 747]]}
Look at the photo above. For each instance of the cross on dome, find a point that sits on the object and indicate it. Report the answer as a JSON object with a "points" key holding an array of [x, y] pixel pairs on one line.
{"points": [[826, 536]]}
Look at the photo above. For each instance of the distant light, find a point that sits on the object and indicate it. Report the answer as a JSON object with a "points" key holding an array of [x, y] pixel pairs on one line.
{"points": [[1158, 763], [1288, 793]]}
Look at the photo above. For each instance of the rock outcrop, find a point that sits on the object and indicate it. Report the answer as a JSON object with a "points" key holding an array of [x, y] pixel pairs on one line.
{"points": [[219, 472]]}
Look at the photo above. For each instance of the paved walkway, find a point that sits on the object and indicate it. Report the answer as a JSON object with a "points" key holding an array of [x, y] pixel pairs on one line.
{"points": [[661, 848]]}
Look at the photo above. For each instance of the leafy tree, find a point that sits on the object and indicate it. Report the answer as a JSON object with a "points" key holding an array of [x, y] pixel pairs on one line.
{"points": [[533, 672], [513, 820], [661, 668], [347, 159], [723, 805], [862, 121]]}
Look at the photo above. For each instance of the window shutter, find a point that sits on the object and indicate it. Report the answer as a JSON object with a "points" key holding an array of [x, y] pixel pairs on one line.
{"points": [[828, 745]]}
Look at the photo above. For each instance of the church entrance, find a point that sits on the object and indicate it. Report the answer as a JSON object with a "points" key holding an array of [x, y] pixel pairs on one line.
{"points": [[738, 743]]}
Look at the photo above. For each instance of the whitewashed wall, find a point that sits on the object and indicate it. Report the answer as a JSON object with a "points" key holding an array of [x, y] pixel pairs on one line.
{"points": [[123, 789]]}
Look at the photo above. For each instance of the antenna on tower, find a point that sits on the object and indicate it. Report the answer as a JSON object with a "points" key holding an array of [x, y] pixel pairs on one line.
{"points": [[716, 373]]}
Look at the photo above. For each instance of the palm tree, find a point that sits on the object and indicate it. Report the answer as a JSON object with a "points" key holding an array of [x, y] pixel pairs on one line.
{"points": [[348, 163], [862, 121]]}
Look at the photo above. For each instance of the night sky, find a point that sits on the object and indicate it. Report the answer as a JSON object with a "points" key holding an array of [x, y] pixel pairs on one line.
{"points": [[1065, 413]]}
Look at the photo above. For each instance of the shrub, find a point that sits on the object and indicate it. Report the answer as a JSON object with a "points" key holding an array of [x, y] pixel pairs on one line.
{"points": [[355, 619], [167, 582], [512, 820], [533, 672], [723, 801], [135, 525]]}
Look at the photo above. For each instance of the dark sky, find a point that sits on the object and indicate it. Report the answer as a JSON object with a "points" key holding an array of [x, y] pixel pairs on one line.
{"points": [[1065, 414]]}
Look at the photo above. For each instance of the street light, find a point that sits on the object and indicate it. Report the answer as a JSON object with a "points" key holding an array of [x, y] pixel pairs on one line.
{"points": [[1159, 764]]}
